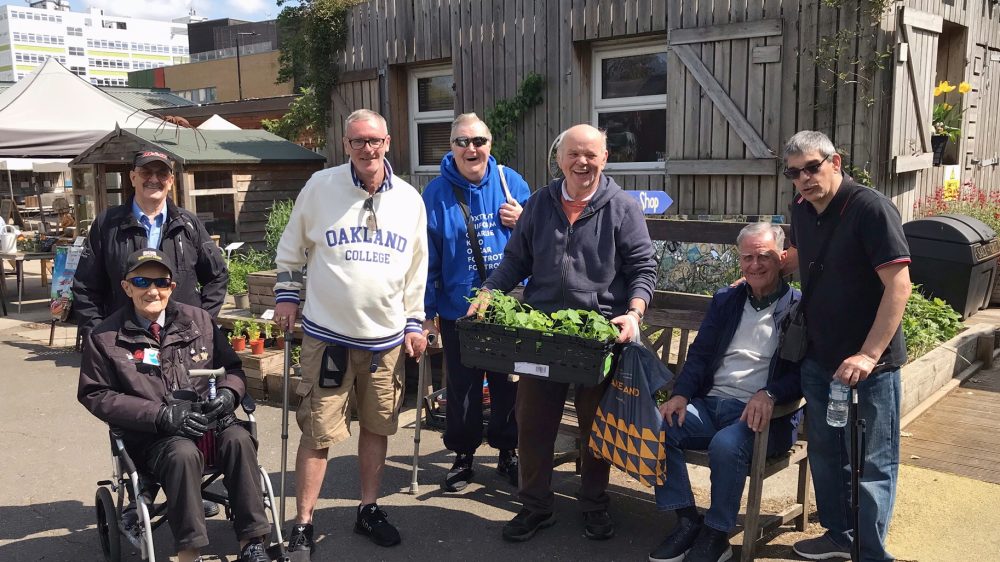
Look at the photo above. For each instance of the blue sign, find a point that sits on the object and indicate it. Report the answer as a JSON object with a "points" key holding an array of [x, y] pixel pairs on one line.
{"points": [[652, 202]]}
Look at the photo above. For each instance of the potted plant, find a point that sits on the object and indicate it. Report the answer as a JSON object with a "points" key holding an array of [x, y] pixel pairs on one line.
{"points": [[236, 336], [268, 333], [947, 118], [279, 339], [238, 283], [253, 335], [296, 360]]}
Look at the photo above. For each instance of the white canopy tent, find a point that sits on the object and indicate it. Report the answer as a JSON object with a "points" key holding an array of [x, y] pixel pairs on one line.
{"points": [[55, 113], [32, 164], [217, 123]]}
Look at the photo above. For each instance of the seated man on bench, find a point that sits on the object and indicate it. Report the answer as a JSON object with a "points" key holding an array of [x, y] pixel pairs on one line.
{"points": [[135, 366], [727, 390]]}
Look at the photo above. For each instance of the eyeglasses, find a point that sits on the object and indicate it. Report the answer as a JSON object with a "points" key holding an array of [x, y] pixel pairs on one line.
{"points": [[763, 259], [358, 144], [372, 220], [160, 174], [811, 169], [463, 142], [145, 282]]}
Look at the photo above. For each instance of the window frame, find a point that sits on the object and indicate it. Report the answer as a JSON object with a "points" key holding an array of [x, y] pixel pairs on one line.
{"points": [[635, 103], [417, 117]]}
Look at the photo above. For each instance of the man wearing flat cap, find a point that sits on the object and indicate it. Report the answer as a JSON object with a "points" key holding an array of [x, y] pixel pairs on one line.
{"points": [[148, 220]]}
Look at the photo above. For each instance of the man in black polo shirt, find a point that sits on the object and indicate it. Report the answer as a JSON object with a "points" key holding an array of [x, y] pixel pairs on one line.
{"points": [[853, 324]]}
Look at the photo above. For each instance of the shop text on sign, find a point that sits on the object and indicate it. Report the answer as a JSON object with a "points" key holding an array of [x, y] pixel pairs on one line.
{"points": [[652, 202]]}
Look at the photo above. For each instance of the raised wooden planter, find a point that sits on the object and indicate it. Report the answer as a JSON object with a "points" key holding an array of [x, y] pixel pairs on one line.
{"points": [[924, 376], [259, 368], [260, 286]]}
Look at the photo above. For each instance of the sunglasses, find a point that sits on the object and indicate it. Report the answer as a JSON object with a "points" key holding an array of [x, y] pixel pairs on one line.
{"points": [[372, 220], [160, 174], [145, 282], [358, 144], [463, 142], [811, 169]]}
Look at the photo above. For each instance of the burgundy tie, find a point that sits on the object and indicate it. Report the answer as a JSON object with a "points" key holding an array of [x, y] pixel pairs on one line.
{"points": [[155, 329]]}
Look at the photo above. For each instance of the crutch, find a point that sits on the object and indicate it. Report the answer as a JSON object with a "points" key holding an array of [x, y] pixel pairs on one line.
{"points": [[284, 419], [857, 471], [422, 367]]}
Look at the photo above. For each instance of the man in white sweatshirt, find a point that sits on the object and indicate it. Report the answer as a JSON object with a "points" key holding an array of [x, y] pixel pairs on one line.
{"points": [[362, 234]]}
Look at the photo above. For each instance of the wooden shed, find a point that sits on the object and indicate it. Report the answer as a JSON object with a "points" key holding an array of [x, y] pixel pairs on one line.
{"points": [[698, 96], [228, 178]]}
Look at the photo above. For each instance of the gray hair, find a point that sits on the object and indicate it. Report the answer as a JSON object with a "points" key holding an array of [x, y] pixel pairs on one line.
{"points": [[756, 228], [804, 142], [472, 119], [365, 115]]}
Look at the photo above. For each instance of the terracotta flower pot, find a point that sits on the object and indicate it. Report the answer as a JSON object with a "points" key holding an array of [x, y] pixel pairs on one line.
{"points": [[257, 347], [239, 344], [279, 342]]}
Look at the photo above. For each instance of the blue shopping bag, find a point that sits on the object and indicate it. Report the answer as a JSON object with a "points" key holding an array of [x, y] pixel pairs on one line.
{"points": [[627, 430]]}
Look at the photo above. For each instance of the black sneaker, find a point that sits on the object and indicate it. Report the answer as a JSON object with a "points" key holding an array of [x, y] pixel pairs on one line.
{"points": [[460, 475], [301, 538], [254, 552], [711, 546], [525, 524], [508, 465], [678, 542], [372, 522], [823, 547], [211, 508], [598, 525]]}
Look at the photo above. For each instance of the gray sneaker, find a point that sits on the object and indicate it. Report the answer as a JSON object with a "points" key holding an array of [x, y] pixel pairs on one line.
{"points": [[823, 547]]}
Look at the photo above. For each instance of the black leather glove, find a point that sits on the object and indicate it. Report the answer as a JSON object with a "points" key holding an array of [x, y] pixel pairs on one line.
{"points": [[220, 407], [178, 419]]}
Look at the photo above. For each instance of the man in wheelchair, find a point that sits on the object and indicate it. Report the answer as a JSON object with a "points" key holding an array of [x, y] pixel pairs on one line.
{"points": [[134, 376]]}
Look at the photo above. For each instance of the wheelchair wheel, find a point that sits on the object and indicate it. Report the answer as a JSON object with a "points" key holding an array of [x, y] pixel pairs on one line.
{"points": [[107, 525]]}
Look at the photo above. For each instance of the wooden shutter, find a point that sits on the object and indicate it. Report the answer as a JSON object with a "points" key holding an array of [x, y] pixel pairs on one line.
{"points": [[917, 36], [755, 157]]}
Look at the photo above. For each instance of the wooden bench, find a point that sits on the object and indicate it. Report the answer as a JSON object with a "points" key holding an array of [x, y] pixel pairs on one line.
{"points": [[669, 327]]}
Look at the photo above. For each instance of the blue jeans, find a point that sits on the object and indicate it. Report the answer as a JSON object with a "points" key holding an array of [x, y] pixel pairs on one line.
{"points": [[714, 423], [829, 458]]}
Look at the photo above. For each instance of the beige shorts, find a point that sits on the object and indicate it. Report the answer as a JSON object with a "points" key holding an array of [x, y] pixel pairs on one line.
{"points": [[323, 412]]}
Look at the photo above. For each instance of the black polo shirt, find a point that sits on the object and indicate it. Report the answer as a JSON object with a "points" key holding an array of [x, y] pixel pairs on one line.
{"points": [[867, 235]]}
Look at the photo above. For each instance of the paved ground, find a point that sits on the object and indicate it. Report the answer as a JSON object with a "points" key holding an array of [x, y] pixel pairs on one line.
{"points": [[54, 452]]}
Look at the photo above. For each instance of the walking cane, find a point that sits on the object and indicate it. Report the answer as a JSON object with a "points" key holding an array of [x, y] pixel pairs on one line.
{"points": [[284, 419], [422, 367], [857, 471]]}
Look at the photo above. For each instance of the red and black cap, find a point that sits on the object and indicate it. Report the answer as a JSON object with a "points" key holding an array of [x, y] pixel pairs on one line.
{"points": [[145, 157]]}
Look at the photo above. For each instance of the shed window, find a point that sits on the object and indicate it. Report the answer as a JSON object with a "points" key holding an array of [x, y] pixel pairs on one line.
{"points": [[630, 103], [432, 109]]}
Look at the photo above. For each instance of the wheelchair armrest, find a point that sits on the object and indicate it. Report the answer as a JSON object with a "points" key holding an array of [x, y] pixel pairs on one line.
{"points": [[248, 403], [782, 410], [118, 448]]}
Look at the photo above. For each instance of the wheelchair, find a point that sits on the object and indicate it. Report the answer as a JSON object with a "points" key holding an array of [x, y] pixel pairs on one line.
{"points": [[129, 485]]}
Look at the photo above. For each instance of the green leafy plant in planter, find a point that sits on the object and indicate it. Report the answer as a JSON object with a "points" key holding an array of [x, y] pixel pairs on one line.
{"points": [[508, 311], [927, 322], [236, 336], [277, 220], [253, 330]]}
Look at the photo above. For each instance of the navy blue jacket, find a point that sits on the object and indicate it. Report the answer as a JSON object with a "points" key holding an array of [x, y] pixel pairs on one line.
{"points": [[600, 262], [716, 332]]}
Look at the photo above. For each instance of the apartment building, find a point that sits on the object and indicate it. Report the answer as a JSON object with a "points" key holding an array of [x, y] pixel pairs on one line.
{"points": [[100, 48]]}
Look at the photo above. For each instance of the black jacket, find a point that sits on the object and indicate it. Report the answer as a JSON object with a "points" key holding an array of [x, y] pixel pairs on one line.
{"points": [[115, 234], [117, 387]]}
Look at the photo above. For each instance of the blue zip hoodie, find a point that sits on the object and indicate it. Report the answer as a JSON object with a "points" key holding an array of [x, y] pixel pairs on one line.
{"points": [[451, 267]]}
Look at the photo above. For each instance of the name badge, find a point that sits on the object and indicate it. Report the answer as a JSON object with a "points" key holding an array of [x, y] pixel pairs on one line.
{"points": [[151, 356]]}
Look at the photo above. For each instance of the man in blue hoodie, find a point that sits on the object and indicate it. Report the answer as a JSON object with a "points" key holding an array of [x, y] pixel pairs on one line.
{"points": [[471, 188], [585, 244]]}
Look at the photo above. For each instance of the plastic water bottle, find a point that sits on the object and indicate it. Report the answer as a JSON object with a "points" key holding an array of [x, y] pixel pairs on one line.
{"points": [[212, 393], [836, 409]]}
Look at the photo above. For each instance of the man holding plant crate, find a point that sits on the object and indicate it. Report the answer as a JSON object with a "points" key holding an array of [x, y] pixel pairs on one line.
{"points": [[362, 231], [471, 210], [584, 244]]}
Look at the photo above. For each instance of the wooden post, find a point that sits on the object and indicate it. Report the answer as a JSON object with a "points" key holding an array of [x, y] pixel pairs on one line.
{"points": [[984, 350]]}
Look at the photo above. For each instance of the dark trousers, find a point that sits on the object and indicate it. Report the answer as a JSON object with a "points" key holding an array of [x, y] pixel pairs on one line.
{"points": [[539, 411], [464, 413], [178, 465]]}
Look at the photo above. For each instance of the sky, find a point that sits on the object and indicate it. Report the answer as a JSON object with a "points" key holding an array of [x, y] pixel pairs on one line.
{"points": [[249, 10]]}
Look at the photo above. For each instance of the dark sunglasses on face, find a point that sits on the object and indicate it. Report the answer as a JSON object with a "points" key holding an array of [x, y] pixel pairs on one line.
{"points": [[463, 142], [145, 174], [145, 282], [811, 169]]}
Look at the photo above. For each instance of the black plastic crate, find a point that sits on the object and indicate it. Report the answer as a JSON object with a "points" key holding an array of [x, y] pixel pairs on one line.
{"points": [[543, 355]]}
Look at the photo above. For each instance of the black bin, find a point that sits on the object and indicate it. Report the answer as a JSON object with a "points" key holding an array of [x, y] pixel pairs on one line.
{"points": [[955, 259]]}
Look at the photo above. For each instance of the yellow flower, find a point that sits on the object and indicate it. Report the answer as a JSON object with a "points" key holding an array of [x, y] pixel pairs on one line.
{"points": [[964, 88], [946, 106], [937, 91], [946, 86]]}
